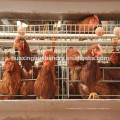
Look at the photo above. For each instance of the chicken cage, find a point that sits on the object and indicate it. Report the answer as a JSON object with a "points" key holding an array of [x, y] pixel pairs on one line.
{"points": [[39, 35], [59, 27]]}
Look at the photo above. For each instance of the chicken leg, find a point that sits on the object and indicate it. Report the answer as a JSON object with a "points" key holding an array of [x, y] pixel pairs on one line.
{"points": [[93, 96]]}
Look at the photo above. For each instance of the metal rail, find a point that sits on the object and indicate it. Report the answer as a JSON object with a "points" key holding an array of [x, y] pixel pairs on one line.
{"points": [[59, 43], [58, 35]]}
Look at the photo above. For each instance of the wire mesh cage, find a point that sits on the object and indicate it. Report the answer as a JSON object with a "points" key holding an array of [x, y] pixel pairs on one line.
{"points": [[39, 36], [59, 29]]}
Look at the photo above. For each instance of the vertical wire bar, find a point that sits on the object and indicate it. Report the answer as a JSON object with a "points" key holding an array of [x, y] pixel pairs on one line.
{"points": [[53, 29], [48, 28], [32, 72], [3, 29], [16, 55], [8, 29], [103, 73], [75, 28], [67, 70], [0, 73], [66, 29], [88, 29], [58, 75], [4, 55], [62, 68], [84, 28], [39, 29]]}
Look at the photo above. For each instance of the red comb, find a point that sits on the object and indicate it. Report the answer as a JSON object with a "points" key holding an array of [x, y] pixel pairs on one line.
{"points": [[45, 53], [96, 17], [99, 47], [53, 44]]}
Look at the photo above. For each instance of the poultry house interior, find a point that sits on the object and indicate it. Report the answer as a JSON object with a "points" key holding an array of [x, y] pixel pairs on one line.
{"points": [[85, 42], [40, 34]]}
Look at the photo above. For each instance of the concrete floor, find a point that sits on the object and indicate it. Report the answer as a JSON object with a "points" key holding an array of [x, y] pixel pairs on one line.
{"points": [[60, 110]]}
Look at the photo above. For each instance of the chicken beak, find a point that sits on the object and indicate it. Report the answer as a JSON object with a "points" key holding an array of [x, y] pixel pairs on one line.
{"points": [[3, 67], [77, 59], [100, 54], [14, 46]]}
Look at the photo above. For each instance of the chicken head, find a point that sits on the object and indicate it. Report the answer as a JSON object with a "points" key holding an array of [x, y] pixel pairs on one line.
{"points": [[73, 55], [19, 43], [94, 51], [94, 21], [115, 58], [8, 65], [49, 56]]}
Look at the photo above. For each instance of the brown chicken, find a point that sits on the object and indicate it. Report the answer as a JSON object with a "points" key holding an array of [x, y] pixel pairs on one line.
{"points": [[45, 84], [90, 75], [112, 74], [11, 80], [27, 61], [75, 67], [114, 60], [85, 26]]}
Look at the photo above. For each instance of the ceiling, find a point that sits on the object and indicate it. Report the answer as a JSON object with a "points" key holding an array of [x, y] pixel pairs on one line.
{"points": [[59, 9], [70, 0]]}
